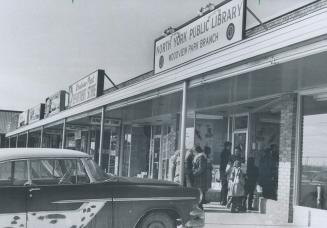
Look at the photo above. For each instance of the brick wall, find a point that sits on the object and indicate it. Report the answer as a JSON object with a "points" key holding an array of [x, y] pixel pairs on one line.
{"points": [[281, 211]]}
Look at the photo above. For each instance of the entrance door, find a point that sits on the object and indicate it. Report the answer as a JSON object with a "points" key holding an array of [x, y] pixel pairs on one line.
{"points": [[155, 151], [240, 133], [13, 176], [240, 143]]}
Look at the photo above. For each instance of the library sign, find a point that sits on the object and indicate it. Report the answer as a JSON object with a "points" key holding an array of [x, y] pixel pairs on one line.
{"points": [[221, 27]]}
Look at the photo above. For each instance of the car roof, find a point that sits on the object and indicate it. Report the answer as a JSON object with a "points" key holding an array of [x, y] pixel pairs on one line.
{"points": [[26, 153]]}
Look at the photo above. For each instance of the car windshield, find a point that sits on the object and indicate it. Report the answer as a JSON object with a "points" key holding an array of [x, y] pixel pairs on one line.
{"points": [[97, 173]]}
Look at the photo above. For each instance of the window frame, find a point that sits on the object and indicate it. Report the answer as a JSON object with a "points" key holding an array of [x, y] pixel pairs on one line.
{"points": [[27, 183], [299, 142], [77, 159]]}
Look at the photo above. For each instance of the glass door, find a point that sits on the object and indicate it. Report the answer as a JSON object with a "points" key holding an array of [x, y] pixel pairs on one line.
{"points": [[240, 132], [155, 148]]}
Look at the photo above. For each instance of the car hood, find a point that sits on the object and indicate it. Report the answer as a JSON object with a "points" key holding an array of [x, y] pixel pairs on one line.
{"points": [[145, 181]]}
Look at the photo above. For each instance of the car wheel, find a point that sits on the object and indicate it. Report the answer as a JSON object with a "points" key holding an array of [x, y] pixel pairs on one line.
{"points": [[157, 220]]}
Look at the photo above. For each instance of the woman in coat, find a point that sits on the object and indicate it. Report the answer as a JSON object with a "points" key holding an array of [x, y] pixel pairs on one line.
{"points": [[200, 171], [237, 190]]}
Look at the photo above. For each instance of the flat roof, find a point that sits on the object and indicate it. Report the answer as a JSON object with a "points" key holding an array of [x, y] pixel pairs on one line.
{"points": [[24, 153], [242, 57]]}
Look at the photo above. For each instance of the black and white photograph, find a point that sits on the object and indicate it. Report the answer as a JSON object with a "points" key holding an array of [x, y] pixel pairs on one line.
{"points": [[163, 114]]}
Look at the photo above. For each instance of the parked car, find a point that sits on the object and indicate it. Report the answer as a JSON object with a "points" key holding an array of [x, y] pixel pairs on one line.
{"points": [[60, 188]]}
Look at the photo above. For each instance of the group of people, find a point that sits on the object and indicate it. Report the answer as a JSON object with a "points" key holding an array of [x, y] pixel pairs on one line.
{"points": [[197, 169], [237, 183], [238, 186]]}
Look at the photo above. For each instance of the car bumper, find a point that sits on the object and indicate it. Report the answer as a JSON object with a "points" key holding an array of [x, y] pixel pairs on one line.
{"points": [[196, 218]]}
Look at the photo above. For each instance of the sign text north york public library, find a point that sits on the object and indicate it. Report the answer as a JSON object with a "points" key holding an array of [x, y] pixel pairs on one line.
{"points": [[219, 28]]}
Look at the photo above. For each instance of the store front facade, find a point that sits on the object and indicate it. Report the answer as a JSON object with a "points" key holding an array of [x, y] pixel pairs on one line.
{"points": [[265, 93]]}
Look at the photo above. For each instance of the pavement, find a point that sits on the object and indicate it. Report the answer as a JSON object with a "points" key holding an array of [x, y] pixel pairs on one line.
{"points": [[218, 216]]}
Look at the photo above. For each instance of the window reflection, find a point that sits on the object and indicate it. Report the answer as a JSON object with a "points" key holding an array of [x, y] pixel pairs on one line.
{"points": [[314, 155]]}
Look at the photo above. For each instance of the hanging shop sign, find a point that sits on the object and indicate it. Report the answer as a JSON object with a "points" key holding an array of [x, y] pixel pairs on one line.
{"points": [[23, 119], [107, 122], [75, 128], [55, 103], [221, 27], [36, 113], [87, 88]]}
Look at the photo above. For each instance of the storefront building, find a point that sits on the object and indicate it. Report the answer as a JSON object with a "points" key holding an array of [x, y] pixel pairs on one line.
{"points": [[8, 122], [265, 91]]}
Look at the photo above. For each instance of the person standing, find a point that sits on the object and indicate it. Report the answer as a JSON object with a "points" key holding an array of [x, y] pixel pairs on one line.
{"points": [[175, 166], [200, 172], [188, 166], [224, 159], [237, 191], [274, 172], [207, 151], [252, 174], [265, 174]]}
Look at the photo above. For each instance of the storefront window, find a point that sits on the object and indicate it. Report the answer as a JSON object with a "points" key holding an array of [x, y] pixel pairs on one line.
{"points": [[127, 140], [12, 142], [22, 140], [83, 133], [313, 185], [34, 138], [52, 135], [151, 136]]}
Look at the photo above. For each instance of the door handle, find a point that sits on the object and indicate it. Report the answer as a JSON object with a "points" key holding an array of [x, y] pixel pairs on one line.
{"points": [[34, 189]]}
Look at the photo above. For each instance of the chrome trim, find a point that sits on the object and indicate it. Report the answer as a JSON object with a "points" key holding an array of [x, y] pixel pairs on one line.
{"points": [[126, 199], [83, 200], [34, 189], [153, 199]]}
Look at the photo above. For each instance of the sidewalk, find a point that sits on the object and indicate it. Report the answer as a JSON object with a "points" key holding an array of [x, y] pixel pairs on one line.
{"points": [[220, 217]]}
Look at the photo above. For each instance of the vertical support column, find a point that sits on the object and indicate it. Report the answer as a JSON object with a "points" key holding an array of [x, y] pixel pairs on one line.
{"points": [[63, 134], [27, 136], [88, 148], [101, 134], [282, 210], [9, 142], [130, 155], [228, 128], [183, 131], [298, 150], [121, 150], [41, 137], [17, 140]]}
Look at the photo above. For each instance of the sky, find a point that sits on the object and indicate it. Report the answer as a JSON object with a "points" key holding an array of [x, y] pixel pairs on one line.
{"points": [[46, 45]]}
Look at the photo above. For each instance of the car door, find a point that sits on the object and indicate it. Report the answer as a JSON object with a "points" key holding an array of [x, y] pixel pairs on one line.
{"points": [[62, 196], [13, 176]]}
